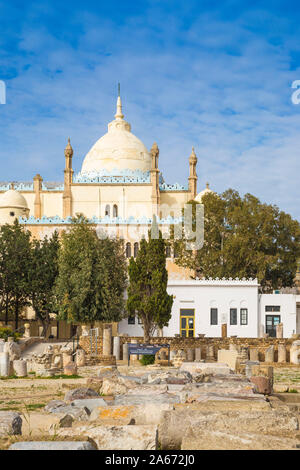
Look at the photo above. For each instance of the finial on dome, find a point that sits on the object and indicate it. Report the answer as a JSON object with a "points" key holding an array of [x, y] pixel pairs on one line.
{"points": [[207, 185], [119, 114]]}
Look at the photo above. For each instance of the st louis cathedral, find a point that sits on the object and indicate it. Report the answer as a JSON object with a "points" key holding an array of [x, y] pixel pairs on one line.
{"points": [[119, 188]]}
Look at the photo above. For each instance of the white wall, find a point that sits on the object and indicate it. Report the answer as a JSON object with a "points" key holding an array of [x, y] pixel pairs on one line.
{"points": [[201, 295], [288, 317]]}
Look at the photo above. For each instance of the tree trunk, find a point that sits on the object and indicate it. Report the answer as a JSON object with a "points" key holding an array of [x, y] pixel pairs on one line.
{"points": [[17, 315], [146, 327], [6, 312], [45, 326], [45, 321]]}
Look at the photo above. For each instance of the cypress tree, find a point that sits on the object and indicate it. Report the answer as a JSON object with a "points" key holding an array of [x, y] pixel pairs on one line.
{"points": [[148, 279]]}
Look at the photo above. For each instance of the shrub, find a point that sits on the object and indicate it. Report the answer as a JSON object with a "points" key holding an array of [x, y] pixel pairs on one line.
{"points": [[6, 332], [147, 360]]}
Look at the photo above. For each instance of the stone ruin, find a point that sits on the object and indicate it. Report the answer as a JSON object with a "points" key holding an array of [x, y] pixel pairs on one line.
{"points": [[55, 359], [198, 405]]}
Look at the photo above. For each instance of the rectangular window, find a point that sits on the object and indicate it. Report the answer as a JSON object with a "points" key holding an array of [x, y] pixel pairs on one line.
{"points": [[233, 316], [140, 321], [272, 308], [213, 316], [131, 320], [244, 316]]}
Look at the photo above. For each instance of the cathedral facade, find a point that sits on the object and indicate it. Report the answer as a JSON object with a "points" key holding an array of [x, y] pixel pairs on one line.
{"points": [[118, 189]]}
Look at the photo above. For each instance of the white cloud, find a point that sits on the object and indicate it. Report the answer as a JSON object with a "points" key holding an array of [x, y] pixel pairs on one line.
{"points": [[216, 85]]}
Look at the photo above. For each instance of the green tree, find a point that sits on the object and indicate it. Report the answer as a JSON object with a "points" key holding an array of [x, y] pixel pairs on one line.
{"points": [[92, 276], [14, 269], [147, 291], [245, 238], [42, 276]]}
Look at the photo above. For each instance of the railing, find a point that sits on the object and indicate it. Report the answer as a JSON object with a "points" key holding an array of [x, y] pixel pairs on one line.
{"points": [[94, 333]]}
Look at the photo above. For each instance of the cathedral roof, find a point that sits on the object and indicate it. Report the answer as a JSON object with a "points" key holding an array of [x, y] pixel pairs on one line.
{"points": [[199, 196], [13, 198], [118, 149]]}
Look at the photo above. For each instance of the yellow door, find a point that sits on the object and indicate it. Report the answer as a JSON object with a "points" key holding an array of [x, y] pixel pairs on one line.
{"points": [[187, 322]]}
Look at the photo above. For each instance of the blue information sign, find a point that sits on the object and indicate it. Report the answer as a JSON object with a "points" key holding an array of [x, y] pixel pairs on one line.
{"points": [[145, 349]]}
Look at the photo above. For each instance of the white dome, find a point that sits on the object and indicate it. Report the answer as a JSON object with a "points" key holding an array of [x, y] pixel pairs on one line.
{"points": [[14, 199], [207, 190], [117, 149]]}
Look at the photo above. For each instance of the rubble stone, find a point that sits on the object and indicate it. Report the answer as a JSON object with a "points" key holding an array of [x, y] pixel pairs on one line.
{"points": [[10, 423], [80, 393]]}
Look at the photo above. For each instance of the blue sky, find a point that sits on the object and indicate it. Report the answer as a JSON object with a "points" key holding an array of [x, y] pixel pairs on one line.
{"points": [[215, 75]]}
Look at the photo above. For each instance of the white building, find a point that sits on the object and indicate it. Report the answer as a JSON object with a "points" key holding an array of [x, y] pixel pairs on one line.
{"points": [[202, 306]]}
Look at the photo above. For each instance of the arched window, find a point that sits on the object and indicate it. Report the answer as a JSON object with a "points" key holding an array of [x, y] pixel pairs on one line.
{"points": [[135, 249], [168, 251], [115, 210], [107, 210], [128, 250]]}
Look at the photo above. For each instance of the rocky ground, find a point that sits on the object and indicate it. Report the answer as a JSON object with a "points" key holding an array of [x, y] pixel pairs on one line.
{"points": [[199, 406]]}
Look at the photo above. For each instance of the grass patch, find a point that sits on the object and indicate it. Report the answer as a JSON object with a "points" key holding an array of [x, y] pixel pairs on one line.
{"points": [[35, 406], [61, 376], [10, 408], [54, 377], [292, 390]]}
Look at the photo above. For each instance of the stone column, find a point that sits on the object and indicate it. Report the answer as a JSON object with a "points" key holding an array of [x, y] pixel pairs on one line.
{"points": [[134, 357], [279, 330], [163, 355], [107, 341], [224, 330], [269, 354], [125, 351], [116, 347], [281, 352], [20, 368], [66, 358], [4, 364], [248, 367], [80, 358], [210, 355], [2, 345], [244, 353], [190, 355], [198, 354], [295, 352], [254, 354], [173, 354]]}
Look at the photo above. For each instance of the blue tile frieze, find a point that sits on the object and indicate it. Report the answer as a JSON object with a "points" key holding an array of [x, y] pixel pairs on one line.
{"points": [[98, 221]]}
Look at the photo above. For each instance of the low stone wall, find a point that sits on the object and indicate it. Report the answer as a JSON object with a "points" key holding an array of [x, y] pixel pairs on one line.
{"points": [[25, 343], [191, 343]]}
